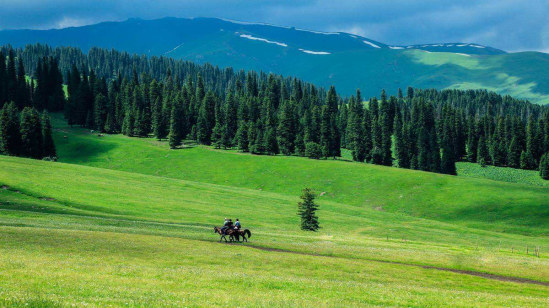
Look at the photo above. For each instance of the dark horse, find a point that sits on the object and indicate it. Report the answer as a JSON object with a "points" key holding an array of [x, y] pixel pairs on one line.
{"points": [[246, 234], [234, 235]]}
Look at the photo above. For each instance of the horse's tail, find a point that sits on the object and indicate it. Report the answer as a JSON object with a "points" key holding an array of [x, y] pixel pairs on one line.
{"points": [[249, 234]]}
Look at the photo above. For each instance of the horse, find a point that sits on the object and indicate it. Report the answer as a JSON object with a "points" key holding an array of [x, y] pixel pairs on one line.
{"points": [[246, 234], [229, 232]]}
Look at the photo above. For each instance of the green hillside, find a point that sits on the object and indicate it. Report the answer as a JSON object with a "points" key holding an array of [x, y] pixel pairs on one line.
{"points": [[489, 205], [74, 234], [127, 222]]}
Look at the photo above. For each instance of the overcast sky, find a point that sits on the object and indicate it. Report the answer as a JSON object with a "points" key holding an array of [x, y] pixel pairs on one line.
{"points": [[512, 25]]}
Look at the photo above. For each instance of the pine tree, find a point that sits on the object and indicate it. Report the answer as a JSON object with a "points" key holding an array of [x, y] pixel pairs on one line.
{"points": [[514, 154], [160, 129], [110, 126], [48, 145], [482, 151], [242, 137], [287, 129], [307, 210], [271, 144], [31, 133], [544, 166], [10, 135], [448, 161], [175, 138], [100, 112]]}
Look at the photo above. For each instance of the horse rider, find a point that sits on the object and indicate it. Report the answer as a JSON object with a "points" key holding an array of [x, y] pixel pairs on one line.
{"points": [[237, 224], [230, 225], [225, 226]]}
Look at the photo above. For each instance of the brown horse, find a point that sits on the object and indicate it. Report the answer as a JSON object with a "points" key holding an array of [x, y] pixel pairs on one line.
{"points": [[245, 233], [230, 232]]}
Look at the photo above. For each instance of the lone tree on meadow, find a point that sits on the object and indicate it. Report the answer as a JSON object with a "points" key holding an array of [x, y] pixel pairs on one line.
{"points": [[307, 210]]}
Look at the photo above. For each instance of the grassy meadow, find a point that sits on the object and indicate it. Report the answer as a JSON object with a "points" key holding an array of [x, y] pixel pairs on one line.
{"points": [[126, 222]]}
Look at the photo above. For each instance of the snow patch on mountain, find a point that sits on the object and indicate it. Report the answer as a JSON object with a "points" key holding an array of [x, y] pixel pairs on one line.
{"points": [[262, 40], [371, 44], [315, 52], [396, 47]]}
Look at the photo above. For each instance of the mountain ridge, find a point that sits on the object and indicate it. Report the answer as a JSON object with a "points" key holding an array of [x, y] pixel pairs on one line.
{"points": [[345, 60]]}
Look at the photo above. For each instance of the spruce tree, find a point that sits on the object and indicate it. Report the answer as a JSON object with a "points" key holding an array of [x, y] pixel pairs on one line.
{"points": [[48, 145], [514, 154], [482, 151], [100, 112], [31, 133], [10, 135], [286, 129], [448, 163], [175, 138], [544, 166], [307, 210], [242, 137]]}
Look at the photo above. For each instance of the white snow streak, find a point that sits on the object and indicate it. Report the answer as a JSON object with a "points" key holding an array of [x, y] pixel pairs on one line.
{"points": [[318, 32], [172, 49], [314, 52], [396, 47], [463, 54], [371, 44], [263, 40]]}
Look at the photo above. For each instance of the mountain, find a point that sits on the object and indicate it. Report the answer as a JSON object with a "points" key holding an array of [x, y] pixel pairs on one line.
{"points": [[345, 60]]}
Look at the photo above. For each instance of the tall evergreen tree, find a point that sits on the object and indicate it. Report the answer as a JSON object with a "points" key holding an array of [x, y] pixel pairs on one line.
{"points": [[31, 133], [307, 210], [544, 166], [10, 135], [48, 146]]}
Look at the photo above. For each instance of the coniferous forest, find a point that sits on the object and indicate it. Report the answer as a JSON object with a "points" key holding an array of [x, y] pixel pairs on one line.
{"points": [[160, 97]]}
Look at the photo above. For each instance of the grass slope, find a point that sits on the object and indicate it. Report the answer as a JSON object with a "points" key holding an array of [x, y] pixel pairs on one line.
{"points": [[528, 177], [488, 205], [133, 228], [77, 235]]}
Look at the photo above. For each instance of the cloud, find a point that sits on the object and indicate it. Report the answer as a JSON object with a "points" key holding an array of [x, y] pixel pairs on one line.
{"points": [[507, 24]]}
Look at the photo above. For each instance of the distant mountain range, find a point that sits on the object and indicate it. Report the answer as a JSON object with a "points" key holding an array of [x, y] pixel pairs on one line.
{"points": [[345, 60]]}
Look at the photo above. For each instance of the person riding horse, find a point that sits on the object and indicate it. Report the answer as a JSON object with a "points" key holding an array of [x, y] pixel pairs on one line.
{"points": [[235, 231], [225, 226]]}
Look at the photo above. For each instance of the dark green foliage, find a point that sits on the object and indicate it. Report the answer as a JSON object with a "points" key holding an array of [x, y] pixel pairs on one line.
{"points": [[307, 210], [482, 154], [544, 166], [31, 133], [175, 138], [10, 135], [242, 137], [100, 112], [313, 150], [269, 114], [287, 128], [48, 146]]}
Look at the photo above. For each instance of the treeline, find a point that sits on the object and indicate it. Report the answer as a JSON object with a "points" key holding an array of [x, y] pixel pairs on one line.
{"points": [[259, 113], [27, 133], [23, 130]]}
